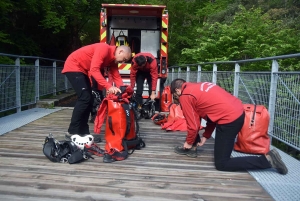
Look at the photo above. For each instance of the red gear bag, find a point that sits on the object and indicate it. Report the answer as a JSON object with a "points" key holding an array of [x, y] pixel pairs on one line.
{"points": [[121, 126], [253, 137], [175, 121], [166, 99]]}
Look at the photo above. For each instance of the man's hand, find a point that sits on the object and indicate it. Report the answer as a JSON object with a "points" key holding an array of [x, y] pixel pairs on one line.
{"points": [[203, 140], [113, 90], [152, 96], [187, 146]]}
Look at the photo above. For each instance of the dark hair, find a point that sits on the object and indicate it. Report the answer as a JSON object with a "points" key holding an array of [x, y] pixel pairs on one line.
{"points": [[140, 60], [176, 84]]}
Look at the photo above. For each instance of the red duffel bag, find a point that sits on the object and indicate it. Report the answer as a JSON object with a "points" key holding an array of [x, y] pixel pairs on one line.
{"points": [[253, 137], [175, 121], [166, 99]]}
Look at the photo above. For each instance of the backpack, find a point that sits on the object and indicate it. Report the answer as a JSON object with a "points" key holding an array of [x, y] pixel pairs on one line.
{"points": [[166, 99], [121, 128], [63, 151], [97, 100], [121, 39], [148, 109], [253, 137]]}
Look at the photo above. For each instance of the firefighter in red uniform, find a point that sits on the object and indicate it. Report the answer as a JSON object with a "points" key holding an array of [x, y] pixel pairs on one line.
{"points": [[90, 60], [224, 112], [143, 66]]}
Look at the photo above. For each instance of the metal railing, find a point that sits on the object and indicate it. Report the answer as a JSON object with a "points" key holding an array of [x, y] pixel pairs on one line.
{"points": [[24, 79], [279, 91]]}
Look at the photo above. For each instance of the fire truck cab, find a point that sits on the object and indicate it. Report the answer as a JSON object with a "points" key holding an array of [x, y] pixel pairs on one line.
{"points": [[144, 28]]}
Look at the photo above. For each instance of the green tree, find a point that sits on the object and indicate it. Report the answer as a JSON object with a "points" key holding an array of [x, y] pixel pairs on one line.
{"points": [[5, 8], [54, 28], [73, 18], [251, 35], [51, 28]]}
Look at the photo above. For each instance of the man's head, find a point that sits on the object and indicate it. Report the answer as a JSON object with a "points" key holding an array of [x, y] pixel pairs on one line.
{"points": [[176, 87], [122, 54], [140, 60]]}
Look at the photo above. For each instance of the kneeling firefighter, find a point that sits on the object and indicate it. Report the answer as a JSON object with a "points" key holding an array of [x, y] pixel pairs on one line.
{"points": [[143, 66]]}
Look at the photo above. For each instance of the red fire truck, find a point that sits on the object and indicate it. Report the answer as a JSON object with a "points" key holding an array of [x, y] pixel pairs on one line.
{"points": [[144, 28]]}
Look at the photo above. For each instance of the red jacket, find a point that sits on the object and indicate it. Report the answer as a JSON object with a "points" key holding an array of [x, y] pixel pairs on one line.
{"points": [[151, 67], [89, 59], [207, 100]]}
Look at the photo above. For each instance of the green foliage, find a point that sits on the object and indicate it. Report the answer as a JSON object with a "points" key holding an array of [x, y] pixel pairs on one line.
{"points": [[4, 38], [48, 28], [198, 30], [214, 11], [183, 20], [251, 35], [5, 8], [6, 60], [53, 21]]}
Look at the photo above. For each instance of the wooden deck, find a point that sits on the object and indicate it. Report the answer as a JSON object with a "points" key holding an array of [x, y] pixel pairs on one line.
{"points": [[154, 173]]}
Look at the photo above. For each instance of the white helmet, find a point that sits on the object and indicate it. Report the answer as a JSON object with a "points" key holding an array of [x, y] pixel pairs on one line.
{"points": [[81, 141]]}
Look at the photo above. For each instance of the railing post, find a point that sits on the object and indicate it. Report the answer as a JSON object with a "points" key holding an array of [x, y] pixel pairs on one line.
{"points": [[37, 80], [54, 78], [199, 74], [173, 71], [18, 85], [236, 80], [215, 71], [272, 98], [179, 72], [188, 73], [168, 80], [66, 83], [214, 80]]}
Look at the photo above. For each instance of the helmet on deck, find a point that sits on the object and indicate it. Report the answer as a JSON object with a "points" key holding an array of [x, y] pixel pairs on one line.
{"points": [[82, 141], [159, 119]]}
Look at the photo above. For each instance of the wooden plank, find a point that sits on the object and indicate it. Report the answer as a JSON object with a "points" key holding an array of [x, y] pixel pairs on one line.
{"points": [[153, 173]]}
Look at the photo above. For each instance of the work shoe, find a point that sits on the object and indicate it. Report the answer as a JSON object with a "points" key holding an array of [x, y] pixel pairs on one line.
{"points": [[192, 152], [97, 138], [94, 149], [275, 160], [108, 158]]}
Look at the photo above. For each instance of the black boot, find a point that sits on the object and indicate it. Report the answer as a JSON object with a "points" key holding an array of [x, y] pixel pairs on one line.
{"points": [[192, 152], [108, 159], [275, 160], [97, 138]]}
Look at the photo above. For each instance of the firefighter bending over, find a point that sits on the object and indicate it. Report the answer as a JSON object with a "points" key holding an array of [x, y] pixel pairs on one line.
{"points": [[143, 66], [89, 60]]}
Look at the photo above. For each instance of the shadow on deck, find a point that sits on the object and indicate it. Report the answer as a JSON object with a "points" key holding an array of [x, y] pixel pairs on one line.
{"points": [[153, 173]]}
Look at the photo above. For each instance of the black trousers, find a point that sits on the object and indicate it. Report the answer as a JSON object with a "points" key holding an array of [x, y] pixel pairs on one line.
{"points": [[140, 78], [224, 143], [80, 116]]}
